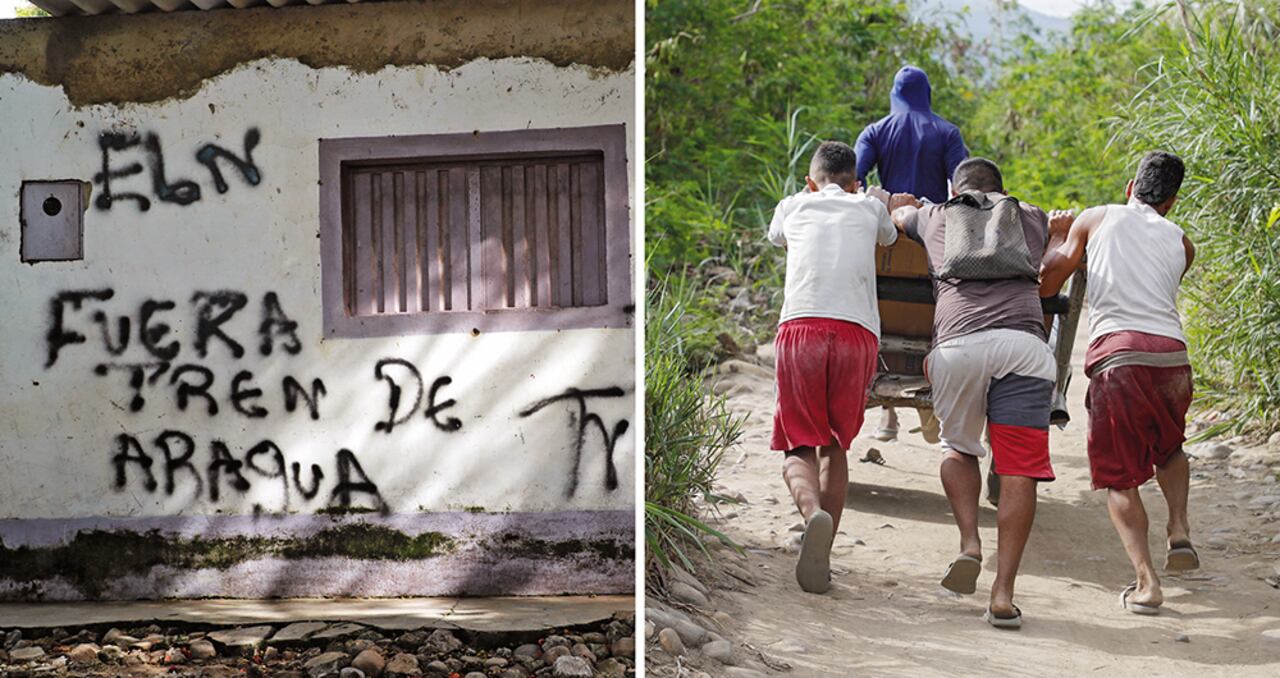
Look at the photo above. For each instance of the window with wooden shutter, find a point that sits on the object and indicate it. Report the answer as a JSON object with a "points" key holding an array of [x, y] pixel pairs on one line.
{"points": [[486, 231]]}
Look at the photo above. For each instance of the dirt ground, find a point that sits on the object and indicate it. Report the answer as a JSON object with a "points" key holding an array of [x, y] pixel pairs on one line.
{"points": [[886, 614]]}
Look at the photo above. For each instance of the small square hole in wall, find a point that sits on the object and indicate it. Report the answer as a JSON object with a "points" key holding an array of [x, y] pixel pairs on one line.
{"points": [[52, 217]]}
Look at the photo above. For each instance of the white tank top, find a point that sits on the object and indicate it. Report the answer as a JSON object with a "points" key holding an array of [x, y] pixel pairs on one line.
{"points": [[1136, 260]]}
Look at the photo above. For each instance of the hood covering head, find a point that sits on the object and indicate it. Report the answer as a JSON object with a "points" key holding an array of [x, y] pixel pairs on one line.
{"points": [[911, 91]]}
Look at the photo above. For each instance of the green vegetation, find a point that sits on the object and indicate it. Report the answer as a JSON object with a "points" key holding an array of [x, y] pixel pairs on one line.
{"points": [[738, 91], [29, 11], [687, 429], [1069, 124]]}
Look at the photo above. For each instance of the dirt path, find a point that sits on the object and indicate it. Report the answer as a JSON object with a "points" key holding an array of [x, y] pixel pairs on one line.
{"points": [[886, 615]]}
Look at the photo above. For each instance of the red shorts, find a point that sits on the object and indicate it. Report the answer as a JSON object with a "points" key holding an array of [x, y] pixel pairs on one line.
{"points": [[825, 368], [1137, 413]]}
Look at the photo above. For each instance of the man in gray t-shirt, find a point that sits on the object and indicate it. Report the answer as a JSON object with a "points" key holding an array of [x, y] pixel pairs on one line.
{"points": [[990, 367], [964, 307]]}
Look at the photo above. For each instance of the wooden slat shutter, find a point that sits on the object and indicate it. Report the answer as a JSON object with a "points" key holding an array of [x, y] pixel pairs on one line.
{"points": [[525, 233]]}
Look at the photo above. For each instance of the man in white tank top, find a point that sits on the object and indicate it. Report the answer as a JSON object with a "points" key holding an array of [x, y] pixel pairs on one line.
{"points": [[1139, 377]]}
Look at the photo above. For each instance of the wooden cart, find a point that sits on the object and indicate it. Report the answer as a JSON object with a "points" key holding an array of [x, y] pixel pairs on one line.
{"points": [[906, 327]]}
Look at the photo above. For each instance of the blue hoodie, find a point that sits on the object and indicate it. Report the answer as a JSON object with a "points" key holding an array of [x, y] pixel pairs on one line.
{"points": [[915, 150]]}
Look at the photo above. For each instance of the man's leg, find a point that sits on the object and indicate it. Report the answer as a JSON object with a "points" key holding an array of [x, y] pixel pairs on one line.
{"points": [[962, 482], [1014, 517], [1130, 518], [833, 481], [813, 567], [888, 428], [1175, 480], [800, 471]]}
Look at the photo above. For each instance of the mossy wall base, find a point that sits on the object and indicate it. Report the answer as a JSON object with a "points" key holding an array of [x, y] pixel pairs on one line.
{"points": [[425, 554]]}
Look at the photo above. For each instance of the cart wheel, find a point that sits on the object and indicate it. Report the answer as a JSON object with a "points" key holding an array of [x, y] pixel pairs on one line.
{"points": [[993, 486]]}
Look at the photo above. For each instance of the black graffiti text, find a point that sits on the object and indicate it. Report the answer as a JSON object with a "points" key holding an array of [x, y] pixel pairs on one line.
{"points": [[195, 387], [72, 321], [581, 419], [213, 157], [172, 462], [405, 396]]}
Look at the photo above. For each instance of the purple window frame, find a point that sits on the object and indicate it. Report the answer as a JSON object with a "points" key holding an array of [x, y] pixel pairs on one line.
{"points": [[608, 140]]}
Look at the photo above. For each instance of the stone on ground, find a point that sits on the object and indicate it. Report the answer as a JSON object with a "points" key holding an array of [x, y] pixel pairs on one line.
{"points": [[719, 650], [624, 647], [692, 634], [202, 649], [297, 632], [118, 637], [402, 664], [337, 631], [670, 642], [572, 667], [687, 594], [1211, 450], [611, 668], [26, 654], [551, 654], [441, 641], [84, 653], [325, 663], [241, 637], [370, 661]]}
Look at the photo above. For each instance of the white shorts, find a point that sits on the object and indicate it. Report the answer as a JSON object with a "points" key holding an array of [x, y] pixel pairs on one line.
{"points": [[1003, 376]]}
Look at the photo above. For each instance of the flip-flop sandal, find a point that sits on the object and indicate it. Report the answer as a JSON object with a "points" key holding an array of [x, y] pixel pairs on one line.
{"points": [[813, 570], [1136, 608], [962, 574], [1014, 622], [1182, 556]]}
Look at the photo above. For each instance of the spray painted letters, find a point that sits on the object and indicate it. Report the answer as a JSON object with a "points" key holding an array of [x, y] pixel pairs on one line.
{"points": [[118, 148]]}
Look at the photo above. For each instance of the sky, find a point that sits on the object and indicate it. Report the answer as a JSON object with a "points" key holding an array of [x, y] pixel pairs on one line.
{"points": [[1061, 8]]}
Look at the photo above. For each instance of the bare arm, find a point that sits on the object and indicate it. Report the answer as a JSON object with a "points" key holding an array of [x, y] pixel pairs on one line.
{"points": [[902, 209], [775, 225], [1191, 253], [1068, 237]]}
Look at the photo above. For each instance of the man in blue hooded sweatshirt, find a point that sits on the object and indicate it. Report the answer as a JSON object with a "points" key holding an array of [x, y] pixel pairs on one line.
{"points": [[916, 151]]}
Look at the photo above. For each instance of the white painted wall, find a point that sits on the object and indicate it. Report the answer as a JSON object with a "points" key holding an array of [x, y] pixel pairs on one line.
{"points": [[57, 425]]}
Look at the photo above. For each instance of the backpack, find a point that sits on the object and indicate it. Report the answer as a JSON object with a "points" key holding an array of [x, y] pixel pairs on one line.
{"points": [[985, 240]]}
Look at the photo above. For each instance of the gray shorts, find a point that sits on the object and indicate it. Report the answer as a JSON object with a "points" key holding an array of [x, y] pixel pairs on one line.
{"points": [[1003, 376]]}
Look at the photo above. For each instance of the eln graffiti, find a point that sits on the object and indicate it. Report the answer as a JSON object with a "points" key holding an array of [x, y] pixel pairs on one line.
{"points": [[164, 188]]}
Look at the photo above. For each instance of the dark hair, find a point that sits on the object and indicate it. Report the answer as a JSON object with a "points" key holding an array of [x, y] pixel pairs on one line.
{"points": [[977, 174], [1159, 178], [834, 162]]}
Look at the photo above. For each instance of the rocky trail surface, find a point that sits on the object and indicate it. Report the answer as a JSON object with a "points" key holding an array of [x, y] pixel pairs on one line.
{"points": [[320, 650], [886, 614]]}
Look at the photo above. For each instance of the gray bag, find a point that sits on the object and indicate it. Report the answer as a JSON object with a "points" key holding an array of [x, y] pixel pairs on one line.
{"points": [[985, 240]]}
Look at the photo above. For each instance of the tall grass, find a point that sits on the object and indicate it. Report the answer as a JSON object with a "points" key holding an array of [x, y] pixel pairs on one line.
{"points": [[687, 430], [1215, 101]]}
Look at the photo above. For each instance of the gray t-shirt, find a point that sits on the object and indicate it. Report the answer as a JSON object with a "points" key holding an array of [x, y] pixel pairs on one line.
{"points": [[968, 306]]}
